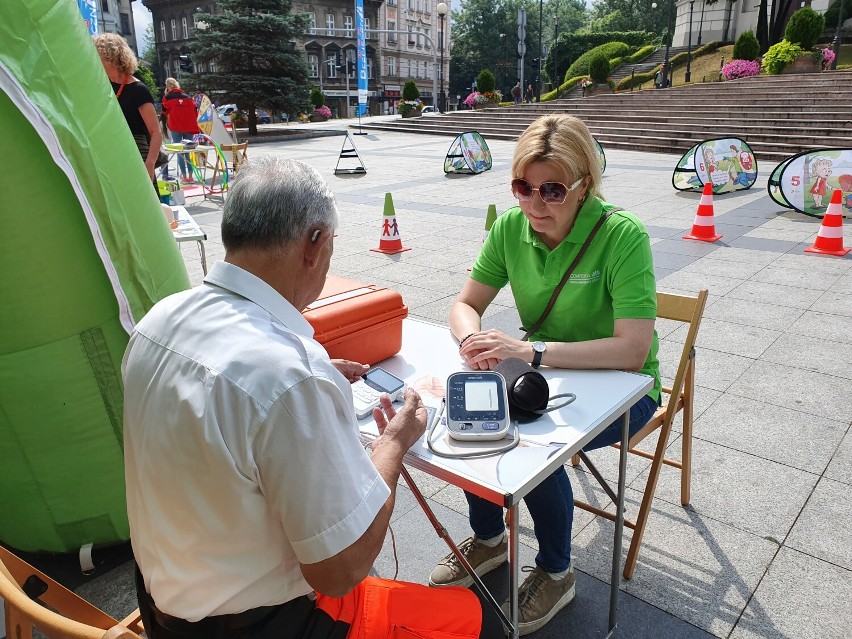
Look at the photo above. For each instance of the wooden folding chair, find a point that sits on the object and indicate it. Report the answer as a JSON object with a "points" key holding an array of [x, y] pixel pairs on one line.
{"points": [[239, 154], [686, 309], [32, 600]]}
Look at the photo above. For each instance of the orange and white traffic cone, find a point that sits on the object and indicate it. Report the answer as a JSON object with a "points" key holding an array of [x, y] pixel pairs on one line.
{"points": [[704, 228], [390, 242], [829, 239]]}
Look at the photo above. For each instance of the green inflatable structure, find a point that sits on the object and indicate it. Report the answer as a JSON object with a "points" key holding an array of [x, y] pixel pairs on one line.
{"points": [[85, 251]]}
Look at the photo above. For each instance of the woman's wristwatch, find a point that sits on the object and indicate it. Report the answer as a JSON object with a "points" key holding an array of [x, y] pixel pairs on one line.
{"points": [[538, 352]]}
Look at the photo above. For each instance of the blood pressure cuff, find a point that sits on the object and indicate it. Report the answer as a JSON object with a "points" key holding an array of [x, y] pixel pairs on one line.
{"points": [[527, 389]]}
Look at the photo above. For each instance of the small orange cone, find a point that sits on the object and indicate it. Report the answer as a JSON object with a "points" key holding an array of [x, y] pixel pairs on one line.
{"points": [[703, 228], [391, 242], [829, 239]]}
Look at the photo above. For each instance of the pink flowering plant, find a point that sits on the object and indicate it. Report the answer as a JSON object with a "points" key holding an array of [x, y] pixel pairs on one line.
{"points": [[323, 111], [741, 69], [586, 82], [476, 98], [827, 58]]}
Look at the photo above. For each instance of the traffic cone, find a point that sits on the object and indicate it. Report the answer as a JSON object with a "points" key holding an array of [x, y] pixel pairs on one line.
{"points": [[703, 228], [829, 239], [490, 216], [391, 242]]}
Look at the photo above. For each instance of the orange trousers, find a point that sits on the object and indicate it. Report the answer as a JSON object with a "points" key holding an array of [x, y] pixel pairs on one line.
{"points": [[385, 609]]}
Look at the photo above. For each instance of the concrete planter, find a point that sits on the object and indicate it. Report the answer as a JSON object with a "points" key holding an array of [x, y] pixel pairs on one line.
{"points": [[316, 117], [414, 113], [486, 105], [805, 64], [596, 89]]}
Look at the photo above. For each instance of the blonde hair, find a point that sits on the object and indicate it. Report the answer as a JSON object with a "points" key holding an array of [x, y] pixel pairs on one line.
{"points": [[115, 50], [171, 84], [563, 140], [817, 161]]}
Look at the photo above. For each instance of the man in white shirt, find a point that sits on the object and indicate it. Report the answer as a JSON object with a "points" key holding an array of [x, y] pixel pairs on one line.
{"points": [[254, 509]]}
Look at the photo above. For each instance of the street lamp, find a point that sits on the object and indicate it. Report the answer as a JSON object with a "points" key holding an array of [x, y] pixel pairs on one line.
{"points": [[556, 79], [701, 22], [836, 43], [442, 10], [666, 65], [540, 56], [688, 76]]}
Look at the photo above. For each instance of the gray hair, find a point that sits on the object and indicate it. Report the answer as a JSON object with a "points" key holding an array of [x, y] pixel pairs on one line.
{"points": [[274, 202]]}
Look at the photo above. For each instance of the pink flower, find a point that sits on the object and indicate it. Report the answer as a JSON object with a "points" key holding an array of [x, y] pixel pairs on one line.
{"points": [[740, 69]]}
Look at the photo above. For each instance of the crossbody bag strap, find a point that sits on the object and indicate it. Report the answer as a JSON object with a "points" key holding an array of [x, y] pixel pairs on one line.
{"points": [[568, 272]]}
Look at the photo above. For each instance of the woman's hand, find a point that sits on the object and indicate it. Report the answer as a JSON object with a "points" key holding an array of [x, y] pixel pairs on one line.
{"points": [[352, 371], [485, 349], [149, 164]]}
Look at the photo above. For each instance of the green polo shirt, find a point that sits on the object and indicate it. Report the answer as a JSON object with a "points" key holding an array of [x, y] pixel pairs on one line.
{"points": [[614, 280]]}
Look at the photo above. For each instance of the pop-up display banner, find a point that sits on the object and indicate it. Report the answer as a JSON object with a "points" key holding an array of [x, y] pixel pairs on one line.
{"points": [[805, 182], [727, 163], [601, 156], [468, 154]]}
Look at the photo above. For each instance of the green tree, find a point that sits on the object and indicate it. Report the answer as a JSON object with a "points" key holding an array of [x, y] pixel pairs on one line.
{"points": [[257, 64], [145, 74], [747, 47], [627, 15], [149, 55]]}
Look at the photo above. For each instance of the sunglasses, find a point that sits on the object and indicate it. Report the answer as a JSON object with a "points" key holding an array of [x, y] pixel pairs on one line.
{"points": [[549, 192]]}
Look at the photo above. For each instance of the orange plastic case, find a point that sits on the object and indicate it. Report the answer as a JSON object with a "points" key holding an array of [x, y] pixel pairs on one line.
{"points": [[356, 321]]}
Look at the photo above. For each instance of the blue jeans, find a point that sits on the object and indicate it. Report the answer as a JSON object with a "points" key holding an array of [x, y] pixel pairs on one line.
{"points": [[551, 503], [183, 165]]}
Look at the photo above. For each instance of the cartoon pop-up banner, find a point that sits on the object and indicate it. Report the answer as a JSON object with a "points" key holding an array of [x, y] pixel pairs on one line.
{"points": [[85, 252], [805, 182], [726, 163], [468, 153]]}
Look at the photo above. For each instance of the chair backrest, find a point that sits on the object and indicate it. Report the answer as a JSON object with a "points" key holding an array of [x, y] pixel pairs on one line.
{"points": [[239, 153], [58, 613], [687, 309]]}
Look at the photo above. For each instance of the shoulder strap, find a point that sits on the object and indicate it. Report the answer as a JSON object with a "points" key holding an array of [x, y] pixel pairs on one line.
{"points": [[121, 88], [564, 280]]}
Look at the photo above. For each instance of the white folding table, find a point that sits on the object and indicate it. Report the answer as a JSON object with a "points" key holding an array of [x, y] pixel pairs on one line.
{"points": [[187, 230], [547, 443]]}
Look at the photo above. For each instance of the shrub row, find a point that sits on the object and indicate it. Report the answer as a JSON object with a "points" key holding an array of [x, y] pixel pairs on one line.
{"points": [[565, 86], [609, 50]]}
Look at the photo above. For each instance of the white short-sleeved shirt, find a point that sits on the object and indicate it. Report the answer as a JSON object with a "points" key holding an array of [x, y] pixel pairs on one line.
{"points": [[241, 449]]}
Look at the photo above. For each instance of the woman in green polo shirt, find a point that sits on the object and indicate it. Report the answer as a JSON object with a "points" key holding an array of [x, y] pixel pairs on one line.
{"points": [[603, 318]]}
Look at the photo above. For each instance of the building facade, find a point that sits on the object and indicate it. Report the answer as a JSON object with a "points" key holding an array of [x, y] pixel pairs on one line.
{"points": [[392, 58], [116, 16], [723, 21]]}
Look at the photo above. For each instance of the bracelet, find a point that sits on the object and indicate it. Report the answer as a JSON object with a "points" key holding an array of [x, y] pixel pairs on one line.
{"points": [[461, 343]]}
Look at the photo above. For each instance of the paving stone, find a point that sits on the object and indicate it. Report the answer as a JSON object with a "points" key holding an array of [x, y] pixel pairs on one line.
{"points": [[729, 337], [834, 303], [792, 296], [840, 467], [794, 277], [778, 434], [690, 565], [828, 326], [752, 313], [823, 529], [812, 353], [800, 596], [696, 281]]}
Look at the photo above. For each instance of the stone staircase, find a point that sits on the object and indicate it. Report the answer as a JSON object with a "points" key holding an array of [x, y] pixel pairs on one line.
{"points": [[653, 60], [777, 115]]}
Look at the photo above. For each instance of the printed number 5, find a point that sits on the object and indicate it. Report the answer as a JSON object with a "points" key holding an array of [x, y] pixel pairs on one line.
{"points": [[795, 180]]}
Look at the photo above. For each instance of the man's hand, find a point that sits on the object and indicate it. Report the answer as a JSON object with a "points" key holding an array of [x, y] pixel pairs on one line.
{"points": [[485, 349], [404, 427], [352, 371]]}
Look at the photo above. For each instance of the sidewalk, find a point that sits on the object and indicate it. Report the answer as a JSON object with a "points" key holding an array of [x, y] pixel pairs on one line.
{"points": [[765, 549]]}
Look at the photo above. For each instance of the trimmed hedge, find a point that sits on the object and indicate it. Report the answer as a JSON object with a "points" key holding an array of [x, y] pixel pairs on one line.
{"points": [[609, 50], [675, 61], [565, 86], [640, 55], [747, 47], [804, 28], [599, 68]]}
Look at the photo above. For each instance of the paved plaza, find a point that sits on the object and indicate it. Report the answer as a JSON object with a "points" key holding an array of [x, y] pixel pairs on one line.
{"points": [[765, 548]]}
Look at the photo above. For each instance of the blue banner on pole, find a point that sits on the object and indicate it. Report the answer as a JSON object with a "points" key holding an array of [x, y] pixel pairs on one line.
{"points": [[361, 45], [89, 9]]}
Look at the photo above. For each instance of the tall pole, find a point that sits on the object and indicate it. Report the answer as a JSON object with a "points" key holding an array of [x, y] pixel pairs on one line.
{"points": [[837, 37], [442, 10], [666, 66], [701, 22], [540, 49], [689, 46], [557, 81]]}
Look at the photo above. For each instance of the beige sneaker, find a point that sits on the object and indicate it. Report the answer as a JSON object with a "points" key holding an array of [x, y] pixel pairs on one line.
{"points": [[540, 598], [481, 558]]}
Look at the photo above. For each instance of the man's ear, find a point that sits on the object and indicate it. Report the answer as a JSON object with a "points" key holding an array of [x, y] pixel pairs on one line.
{"points": [[313, 245]]}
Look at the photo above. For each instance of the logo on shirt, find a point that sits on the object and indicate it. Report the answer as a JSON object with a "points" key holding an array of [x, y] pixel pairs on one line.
{"points": [[585, 278]]}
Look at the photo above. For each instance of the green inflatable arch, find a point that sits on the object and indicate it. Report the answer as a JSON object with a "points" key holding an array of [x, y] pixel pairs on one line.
{"points": [[85, 251]]}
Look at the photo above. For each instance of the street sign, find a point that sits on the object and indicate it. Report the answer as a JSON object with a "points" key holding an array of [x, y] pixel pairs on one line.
{"points": [[522, 16], [522, 48], [522, 32]]}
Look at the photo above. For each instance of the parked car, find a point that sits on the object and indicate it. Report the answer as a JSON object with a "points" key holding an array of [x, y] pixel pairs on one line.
{"points": [[225, 111], [429, 109]]}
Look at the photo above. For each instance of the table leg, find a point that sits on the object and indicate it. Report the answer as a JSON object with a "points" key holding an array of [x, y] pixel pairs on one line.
{"points": [[203, 256], [512, 520], [615, 582]]}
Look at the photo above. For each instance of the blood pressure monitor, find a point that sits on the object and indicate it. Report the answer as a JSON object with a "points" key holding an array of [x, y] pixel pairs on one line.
{"points": [[477, 406]]}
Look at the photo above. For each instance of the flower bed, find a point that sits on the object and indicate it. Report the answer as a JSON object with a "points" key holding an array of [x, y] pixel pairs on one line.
{"points": [[741, 69]]}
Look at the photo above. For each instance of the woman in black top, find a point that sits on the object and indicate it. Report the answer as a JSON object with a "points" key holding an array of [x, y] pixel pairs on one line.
{"points": [[135, 99]]}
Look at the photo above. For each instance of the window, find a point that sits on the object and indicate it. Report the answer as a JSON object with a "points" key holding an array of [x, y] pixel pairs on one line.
{"points": [[329, 24], [417, 2], [125, 23], [184, 28], [212, 66], [174, 29], [351, 57], [366, 28], [331, 63], [411, 4], [427, 7], [391, 27], [105, 6], [411, 41], [392, 67], [369, 68], [313, 63], [347, 24], [162, 30], [312, 23], [391, 3], [428, 32]]}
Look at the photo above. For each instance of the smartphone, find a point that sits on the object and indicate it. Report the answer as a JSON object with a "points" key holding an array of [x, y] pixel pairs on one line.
{"points": [[367, 390]]}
